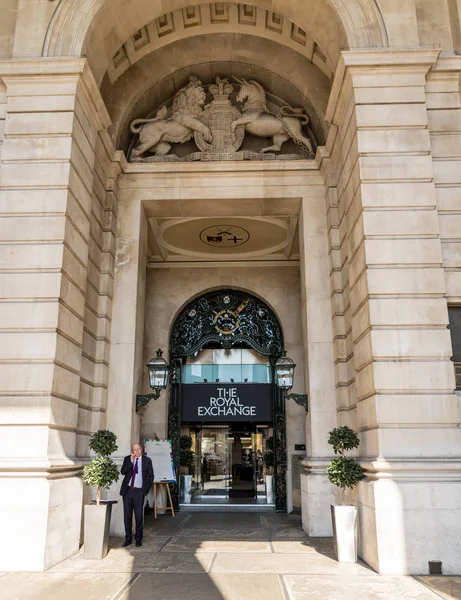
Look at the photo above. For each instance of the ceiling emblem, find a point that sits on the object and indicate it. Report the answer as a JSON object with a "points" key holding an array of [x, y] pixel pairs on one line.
{"points": [[224, 236]]}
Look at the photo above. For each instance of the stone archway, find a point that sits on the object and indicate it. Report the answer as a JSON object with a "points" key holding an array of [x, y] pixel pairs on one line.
{"points": [[97, 28]]}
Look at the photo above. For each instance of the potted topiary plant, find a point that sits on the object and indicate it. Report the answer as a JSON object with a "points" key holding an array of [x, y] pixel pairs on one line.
{"points": [[344, 472], [102, 472], [186, 463]]}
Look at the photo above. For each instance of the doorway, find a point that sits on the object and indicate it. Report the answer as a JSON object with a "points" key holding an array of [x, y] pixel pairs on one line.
{"points": [[233, 464], [223, 347]]}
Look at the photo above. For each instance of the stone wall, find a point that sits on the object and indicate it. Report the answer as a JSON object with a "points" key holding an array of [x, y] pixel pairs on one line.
{"points": [[98, 302], [397, 387], [45, 196]]}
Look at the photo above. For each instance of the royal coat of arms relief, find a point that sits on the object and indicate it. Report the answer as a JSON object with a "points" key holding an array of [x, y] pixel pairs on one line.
{"points": [[219, 127]]}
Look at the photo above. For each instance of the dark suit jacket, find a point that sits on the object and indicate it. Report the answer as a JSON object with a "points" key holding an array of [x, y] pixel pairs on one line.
{"points": [[147, 474]]}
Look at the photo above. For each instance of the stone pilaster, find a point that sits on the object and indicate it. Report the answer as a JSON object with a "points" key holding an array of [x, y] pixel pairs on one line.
{"points": [[444, 118], [404, 406], [53, 114], [316, 490], [126, 354]]}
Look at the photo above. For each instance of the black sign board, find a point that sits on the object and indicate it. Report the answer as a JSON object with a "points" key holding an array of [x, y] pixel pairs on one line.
{"points": [[223, 402]]}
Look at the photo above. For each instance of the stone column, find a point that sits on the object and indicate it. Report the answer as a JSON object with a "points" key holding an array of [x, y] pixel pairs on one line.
{"points": [[316, 490], [127, 337], [404, 406], [53, 113]]}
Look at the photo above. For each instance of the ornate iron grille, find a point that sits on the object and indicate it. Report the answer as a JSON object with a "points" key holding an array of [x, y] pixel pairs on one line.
{"points": [[227, 318]]}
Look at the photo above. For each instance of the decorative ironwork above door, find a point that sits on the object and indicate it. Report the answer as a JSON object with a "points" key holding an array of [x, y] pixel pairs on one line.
{"points": [[227, 318]]}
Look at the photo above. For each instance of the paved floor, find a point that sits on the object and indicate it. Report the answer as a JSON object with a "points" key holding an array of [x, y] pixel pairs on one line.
{"points": [[216, 556]]}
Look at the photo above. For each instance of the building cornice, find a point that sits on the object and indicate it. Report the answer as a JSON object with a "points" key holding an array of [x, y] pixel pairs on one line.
{"points": [[17, 72]]}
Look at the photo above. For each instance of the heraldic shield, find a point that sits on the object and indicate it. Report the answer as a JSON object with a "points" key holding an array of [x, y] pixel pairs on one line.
{"points": [[219, 115]]}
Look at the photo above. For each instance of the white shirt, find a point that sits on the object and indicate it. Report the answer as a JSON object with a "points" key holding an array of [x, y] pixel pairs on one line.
{"points": [[138, 478]]}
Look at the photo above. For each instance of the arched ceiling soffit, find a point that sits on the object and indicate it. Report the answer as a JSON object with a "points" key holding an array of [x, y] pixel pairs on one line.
{"points": [[156, 78], [99, 28]]}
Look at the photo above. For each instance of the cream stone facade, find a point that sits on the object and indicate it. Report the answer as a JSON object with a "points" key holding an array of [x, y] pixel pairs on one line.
{"points": [[357, 251]]}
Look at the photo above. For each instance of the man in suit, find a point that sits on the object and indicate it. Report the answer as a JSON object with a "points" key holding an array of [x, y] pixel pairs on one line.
{"points": [[139, 477]]}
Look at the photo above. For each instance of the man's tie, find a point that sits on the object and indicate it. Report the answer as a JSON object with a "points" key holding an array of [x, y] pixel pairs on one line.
{"points": [[135, 472]]}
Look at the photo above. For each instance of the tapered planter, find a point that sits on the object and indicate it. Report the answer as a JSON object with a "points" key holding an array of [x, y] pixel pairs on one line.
{"points": [[96, 530], [344, 520], [185, 486]]}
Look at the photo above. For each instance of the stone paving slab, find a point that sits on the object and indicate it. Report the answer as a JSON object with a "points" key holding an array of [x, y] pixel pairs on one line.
{"points": [[249, 587], [373, 587], [192, 545], [59, 586], [286, 563], [230, 520], [308, 546], [289, 533], [448, 588], [204, 587], [216, 533], [137, 562], [280, 520], [150, 542], [165, 525]]}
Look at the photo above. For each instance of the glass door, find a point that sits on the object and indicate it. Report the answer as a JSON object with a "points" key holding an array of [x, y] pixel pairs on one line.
{"points": [[264, 468], [232, 464], [213, 468], [243, 464]]}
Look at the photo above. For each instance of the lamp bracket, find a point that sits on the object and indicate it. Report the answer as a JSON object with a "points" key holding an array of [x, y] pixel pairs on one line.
{"points": [[144, 399], [300, 399]]}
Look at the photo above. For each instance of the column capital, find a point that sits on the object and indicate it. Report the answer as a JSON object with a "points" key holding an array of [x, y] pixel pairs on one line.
{"points": [[364, 68], [23, 67], [379, 58], [21, 76]]}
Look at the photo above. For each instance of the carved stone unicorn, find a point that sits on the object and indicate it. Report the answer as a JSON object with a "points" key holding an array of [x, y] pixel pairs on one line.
{"points": [[260, 122]]}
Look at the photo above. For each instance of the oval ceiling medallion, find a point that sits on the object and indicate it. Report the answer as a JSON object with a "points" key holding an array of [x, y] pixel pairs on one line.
{"points": [[224, 236]]}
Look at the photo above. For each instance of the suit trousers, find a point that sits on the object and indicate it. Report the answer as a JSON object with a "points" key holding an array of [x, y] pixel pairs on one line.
{"points": [[133, 500]]}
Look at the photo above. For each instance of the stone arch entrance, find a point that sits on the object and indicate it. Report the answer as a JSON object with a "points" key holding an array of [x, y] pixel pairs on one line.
{"points": [[98, 29], [227, 319], [78, 225]]}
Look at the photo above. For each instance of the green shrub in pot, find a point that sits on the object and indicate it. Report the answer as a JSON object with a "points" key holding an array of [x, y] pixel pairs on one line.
{"points": [[102, 471]]}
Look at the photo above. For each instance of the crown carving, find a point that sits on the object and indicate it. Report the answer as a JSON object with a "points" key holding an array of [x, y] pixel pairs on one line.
{"points": [[221, 90]]}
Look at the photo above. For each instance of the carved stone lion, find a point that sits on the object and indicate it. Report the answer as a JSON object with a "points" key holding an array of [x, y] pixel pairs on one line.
{"points": [[157, 134]]}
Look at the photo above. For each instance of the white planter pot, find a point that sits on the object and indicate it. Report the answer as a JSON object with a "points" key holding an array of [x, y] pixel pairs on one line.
{"points": [[96, 530], [344, 520], [270, 489], [185, 488]]}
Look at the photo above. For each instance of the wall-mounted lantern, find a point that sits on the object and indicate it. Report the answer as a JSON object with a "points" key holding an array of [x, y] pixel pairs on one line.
{"points": [[284, 377], [159, 371]]}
